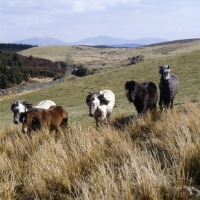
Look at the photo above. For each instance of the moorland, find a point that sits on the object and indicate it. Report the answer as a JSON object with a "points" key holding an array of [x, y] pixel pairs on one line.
{"points": [[155, 157]]}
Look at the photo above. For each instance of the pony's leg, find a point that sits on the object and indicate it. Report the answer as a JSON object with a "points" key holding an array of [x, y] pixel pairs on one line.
{"points": [[104, 119], [172, 103], [108, 120], [97, 123], [144, 110], [153, 108], [167, 105], [64, 123], [58, 132], [160, 103], [100, 122]]}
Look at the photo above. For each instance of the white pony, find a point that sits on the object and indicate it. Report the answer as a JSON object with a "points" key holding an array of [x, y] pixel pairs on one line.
{"points": [[101, 105], [23, 106]]}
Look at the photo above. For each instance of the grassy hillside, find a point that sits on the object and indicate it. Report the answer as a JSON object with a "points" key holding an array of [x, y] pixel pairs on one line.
{"points": [[72, 93], [109, 57], [151, 158]]}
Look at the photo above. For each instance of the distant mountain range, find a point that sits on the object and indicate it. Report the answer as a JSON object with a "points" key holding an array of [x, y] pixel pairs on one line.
{"points": [[43, 41], [95, 41]]}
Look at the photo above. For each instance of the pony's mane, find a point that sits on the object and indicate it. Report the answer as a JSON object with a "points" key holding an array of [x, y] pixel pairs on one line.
{"points": [[149, 84], [91, 96], [27, 104], [102, 99]]}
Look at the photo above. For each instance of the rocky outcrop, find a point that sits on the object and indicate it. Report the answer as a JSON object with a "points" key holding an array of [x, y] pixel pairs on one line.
{"points": [[133, 60], [136, 59], [84, 71]]}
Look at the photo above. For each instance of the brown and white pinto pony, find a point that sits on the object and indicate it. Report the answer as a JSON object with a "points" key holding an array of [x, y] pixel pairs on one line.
{"points": [[51, 119], [144, 96], [22, 106]]}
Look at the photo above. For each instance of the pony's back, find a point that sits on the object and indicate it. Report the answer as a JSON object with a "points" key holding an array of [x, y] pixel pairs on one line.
{"points": [[46, 104], [152, 89], [57, 111], [174, 84], [109, 95], [152, 93]]}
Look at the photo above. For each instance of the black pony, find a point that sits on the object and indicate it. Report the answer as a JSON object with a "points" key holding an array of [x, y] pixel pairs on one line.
{"points": [[168, 86], [144, 96]]}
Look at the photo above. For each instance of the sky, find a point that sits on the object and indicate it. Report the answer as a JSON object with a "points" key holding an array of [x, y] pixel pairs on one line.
{"points": [[75, 20]]}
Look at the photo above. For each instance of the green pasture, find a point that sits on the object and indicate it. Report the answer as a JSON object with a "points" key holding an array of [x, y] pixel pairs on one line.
{"points": [[72, 93]]}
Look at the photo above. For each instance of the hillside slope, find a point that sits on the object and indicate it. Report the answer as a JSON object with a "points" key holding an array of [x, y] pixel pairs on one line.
{"points": [[17, 70], [72, 93], [110, 57]]}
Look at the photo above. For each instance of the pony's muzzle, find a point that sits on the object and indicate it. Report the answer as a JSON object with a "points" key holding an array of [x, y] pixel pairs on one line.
{"points": [[24, 130], [91, 115], [166, 80], [15, 121]]}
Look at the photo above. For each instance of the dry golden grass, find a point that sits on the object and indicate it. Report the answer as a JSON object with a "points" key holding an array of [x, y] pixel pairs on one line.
{"points": [[150, 158]]}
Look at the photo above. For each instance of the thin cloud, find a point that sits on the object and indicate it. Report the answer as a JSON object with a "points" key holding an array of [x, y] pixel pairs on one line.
{"points": [[75, 20]]}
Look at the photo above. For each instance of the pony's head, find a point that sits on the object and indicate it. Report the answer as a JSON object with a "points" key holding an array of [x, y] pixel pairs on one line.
{"points": [[29, 121], [131, 90], [165, 72], [95, 100], [92, 102], [19, 107]]}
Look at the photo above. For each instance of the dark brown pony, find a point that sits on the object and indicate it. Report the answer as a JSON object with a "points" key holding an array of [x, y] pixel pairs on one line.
{"points": [[51, 119], [144, 96]]}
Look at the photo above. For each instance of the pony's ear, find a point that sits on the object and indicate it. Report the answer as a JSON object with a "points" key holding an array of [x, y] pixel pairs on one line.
{"points": [[168, 68], [102, 99], [160, 69], [15, 103]]}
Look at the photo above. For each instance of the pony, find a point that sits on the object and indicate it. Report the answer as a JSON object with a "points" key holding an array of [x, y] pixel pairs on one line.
{"points": [[23, 106], [101, 105], [144, 96], [169, 85], [51, 119]]}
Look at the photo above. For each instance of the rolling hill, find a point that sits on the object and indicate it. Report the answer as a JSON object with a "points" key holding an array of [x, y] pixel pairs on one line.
{"points": [[182, 57]]}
